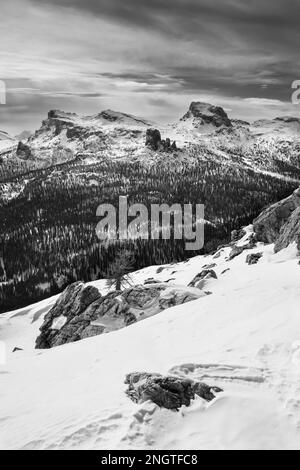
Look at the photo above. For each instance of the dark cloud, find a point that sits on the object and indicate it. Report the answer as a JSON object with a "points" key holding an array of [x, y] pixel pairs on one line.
{"points": [[253, 29], [143, 55], [257, 16]]}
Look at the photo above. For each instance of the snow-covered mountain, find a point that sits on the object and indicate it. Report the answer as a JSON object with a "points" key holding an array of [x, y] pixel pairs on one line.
{"points": [[243, 338], [204, 132]]}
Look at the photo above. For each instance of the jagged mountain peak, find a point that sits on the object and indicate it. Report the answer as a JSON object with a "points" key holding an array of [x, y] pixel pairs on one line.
{"points": [[206, 113]]}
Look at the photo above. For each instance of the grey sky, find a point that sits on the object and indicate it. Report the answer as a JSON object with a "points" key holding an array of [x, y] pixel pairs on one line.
{"points": [[147, 57]]}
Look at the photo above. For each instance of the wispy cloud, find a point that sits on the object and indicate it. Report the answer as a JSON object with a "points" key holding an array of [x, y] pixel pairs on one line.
{"points": [[147, 57]]}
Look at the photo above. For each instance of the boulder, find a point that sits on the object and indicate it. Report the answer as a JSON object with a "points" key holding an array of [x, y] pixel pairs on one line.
{"points": [[169, 392], [65, 321], [253, 258], [269, 223]]}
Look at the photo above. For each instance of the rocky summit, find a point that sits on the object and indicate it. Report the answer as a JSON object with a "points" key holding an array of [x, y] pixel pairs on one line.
{"points": [[205, 113]]}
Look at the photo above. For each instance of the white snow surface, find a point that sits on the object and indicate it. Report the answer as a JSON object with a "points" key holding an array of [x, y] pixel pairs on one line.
{"points": [[244, 338]]}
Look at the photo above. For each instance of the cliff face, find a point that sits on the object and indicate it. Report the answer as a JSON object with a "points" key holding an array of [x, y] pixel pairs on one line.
{"points": [[280, 223]]}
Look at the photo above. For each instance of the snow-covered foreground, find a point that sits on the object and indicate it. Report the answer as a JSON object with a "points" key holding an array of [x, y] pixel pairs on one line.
{"points": [[245, 338]]}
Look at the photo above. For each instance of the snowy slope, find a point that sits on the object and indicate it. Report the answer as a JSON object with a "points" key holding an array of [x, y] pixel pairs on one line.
{"points": [[245, 337], [6, 142]]}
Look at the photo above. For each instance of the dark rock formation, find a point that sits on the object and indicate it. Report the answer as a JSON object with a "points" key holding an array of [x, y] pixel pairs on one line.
{"points": [[209, 266], [236, 235], [253, 258], [68, 312], [269, 223], [199, 279], [81, 311], [290, 232], [166, 391], [155, 142], [206, 113], [153, 138], [23, 151], [151, 280], [236, 251]]}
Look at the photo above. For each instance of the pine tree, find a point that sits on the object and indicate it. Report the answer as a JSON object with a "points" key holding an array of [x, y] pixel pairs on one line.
{"points": [[118, 271]]}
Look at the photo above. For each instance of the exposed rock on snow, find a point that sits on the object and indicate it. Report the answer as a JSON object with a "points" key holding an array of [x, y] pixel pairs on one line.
{"points": [[81, 311], [236, 251], [70, 305], [268, 224], [253, 258], [199, 280], [246, 243], [166, 391]]}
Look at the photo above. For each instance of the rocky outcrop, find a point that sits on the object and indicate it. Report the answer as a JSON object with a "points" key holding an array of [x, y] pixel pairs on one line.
{"points": [[269, 223], [155, 142], [66, 321], [290, 232], [200, 279], [235, 251], [205, 113], [81, 311], [236, 235], [239, 249], [23, 151], [166, 391], [253, 258]]}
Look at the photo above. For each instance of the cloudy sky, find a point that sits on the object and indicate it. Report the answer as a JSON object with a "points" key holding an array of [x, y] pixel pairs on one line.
{"points": [[147, 57]]}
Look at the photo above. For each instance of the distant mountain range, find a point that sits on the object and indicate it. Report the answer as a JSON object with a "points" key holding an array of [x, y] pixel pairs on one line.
{"points": [[265, 145]]}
